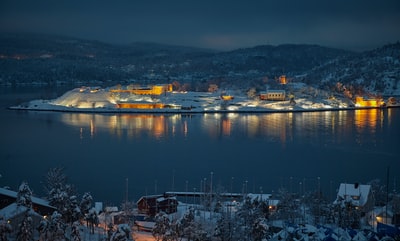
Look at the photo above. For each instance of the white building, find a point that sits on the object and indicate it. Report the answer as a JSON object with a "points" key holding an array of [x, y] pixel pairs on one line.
{"points": [[358, 195]]}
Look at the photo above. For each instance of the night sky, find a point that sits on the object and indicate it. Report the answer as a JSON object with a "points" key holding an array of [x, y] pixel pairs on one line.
{"points": [[224, 25]]}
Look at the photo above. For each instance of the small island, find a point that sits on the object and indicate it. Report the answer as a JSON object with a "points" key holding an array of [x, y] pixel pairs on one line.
{"points": [[162, 98]]}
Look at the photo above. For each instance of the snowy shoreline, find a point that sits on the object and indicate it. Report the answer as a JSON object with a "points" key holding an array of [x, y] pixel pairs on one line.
{"points": [[99, 100], [176, 111]]}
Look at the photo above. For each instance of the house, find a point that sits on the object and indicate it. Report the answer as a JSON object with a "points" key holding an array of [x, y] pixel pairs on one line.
{"points": [[14, 214], [268, 199], [39, 205], [383, 215], [153, 204], [275, 95], [357, 195]]}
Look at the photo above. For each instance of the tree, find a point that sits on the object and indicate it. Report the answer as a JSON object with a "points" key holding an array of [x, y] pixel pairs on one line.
{"points": [[55, 179], [251, 93], [288, 207], [92, 219], [223, 229], [161, 227], [75, 235], [56, 227], [186, 225], [259, 229], [24, 196], [5, 229], [58, 191], [110, 231], [25, 232], [72, 211], [86, 203], [43, 230], [121, 234]]}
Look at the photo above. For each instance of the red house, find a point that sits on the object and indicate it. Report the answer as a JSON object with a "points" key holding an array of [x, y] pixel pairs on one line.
{"points": [[153, 204]]}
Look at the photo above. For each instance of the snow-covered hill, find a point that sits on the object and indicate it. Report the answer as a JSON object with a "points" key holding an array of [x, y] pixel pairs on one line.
{"points": [[28, 59], [376, 71]]}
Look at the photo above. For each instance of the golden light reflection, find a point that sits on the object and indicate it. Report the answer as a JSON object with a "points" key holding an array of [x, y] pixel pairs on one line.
{"points": [[366, 118], [271, 127]]}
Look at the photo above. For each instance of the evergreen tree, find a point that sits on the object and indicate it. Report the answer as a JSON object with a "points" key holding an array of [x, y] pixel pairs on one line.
{"points": [[223, 229], [288, 209], [186, 225], [86, 203], [5, 229], [75, 234], [121, 234], [92, 219], [72, 212], [25, 232], [55, 179], [259, 229], [247, 213], [56, 227], [43, 230], [58, 191], [24, 196], [161, 227]]}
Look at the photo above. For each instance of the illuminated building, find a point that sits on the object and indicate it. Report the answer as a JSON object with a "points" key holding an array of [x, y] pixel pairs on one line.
{"points": [[273, 95], [148, 90], [361, 102]]}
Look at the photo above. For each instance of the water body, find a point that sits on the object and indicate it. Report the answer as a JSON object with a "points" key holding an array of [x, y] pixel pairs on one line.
{"points": [[156, 153]]}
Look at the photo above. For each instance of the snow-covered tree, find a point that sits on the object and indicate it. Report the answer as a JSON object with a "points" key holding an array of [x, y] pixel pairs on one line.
{"points": [[72, 212], [110, 231], [288, 208], [56, 227], [25, 232], [24, 196], [247, 213], [55, 179], [121, 234], [223, 228], [259, 229], [43, 230], [86, 203], [92, 219], [75, 234], [58, 191], [161, 227], [347, 215], [5, 229], [186, 225]]}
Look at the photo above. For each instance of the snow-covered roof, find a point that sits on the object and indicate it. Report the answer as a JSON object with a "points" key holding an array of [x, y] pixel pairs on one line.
{"points": [[382, 211], [110, 209], [13, 210], [160, 199], [260, 197], [273, 202], [356, 193], [35, 200]]}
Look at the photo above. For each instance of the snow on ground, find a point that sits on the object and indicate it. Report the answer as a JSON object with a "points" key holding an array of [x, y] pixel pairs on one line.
{"points": [[143, 236], [96, 99]]}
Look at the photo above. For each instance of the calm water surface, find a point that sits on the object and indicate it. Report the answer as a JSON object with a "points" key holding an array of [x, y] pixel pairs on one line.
{"points": [[157, 153]]}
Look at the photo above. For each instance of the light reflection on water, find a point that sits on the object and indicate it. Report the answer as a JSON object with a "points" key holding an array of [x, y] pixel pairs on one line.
{"points": [[267, 151], [278, 127]]}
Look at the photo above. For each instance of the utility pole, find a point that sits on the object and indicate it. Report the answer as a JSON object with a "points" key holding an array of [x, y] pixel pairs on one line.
{"points": [[126, 200], [211, 193], [387, 194]]}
